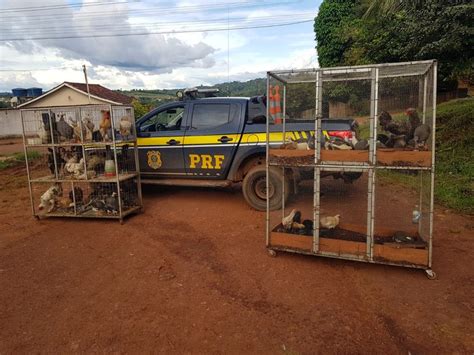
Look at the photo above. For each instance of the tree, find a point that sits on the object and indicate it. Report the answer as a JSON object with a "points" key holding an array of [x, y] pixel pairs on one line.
{"points": [[329, 26], [404, 31], [139, 108]]}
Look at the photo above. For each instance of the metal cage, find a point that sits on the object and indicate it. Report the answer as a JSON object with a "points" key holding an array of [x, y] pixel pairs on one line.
{"points": [[389, 155], [82, 161]]}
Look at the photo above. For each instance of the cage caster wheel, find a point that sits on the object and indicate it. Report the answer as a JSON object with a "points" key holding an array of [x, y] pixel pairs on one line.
{"points": [[272, 253], [430, 274]]}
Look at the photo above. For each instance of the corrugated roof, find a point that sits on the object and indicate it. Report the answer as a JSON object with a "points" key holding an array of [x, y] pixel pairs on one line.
{"points": [[102, 92]]}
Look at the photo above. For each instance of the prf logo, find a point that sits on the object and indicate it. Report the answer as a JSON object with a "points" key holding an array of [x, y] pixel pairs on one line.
{"points": [[205, 161], [154, 159]]}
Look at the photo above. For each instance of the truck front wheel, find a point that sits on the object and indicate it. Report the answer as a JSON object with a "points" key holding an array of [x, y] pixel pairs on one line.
{"points": [[254, 188]]}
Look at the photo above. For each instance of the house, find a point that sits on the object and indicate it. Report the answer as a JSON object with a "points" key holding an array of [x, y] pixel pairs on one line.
{"points": [[73, 94]]}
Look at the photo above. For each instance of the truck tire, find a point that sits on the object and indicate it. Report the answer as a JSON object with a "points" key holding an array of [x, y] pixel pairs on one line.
{"points": [[254, 188]]}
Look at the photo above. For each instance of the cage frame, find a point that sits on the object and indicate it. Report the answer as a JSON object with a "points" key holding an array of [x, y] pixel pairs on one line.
{"points": [[371, 167], [117, 180]]}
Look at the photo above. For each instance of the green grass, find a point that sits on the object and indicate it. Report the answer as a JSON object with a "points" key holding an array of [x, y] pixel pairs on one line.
{"points": [[454, 180], [17, 159]]}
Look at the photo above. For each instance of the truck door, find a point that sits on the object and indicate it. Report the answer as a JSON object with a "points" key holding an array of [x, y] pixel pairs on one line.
{"points": [[211, 138], [160, 141]]}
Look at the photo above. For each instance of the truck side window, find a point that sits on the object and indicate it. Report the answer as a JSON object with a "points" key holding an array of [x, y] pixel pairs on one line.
{"points": [[167, 120], [213, 115]]}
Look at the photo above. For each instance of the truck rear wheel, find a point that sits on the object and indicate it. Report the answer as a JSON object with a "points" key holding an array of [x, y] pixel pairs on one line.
{"points": [[255, 190]]}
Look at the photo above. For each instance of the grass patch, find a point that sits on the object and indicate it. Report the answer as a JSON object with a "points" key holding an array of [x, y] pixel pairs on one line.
{"points": [[454, 180], [17, 159]]}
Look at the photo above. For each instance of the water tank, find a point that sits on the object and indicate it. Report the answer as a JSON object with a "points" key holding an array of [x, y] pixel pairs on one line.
{"points": [[34, 92], [19, 92]]}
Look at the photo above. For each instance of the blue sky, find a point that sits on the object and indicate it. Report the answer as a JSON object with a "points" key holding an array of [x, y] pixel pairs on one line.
{"points": [[151, 60]]}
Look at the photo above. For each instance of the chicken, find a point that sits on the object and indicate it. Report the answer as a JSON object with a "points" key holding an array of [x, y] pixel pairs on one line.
{"points": [[73, 167], [329, 222], [60, 151], [76, 126], [49, 198], [88, 128], [111, 203], [363, 144], [421, 135], [288, 220], [125, 128], [105, 125], [65, 131], [413, 120], [396, 128], [77, 196]]}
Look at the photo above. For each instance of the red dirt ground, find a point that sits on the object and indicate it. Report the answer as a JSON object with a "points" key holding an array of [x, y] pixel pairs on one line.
{"points": [[191, 275]]}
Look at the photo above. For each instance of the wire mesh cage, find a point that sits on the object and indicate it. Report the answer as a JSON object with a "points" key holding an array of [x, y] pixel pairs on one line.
{"points": [[353, 143], [83, 160]]}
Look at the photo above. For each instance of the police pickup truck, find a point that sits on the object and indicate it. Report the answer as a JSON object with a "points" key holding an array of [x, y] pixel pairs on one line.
{"points": [[219, 141]]}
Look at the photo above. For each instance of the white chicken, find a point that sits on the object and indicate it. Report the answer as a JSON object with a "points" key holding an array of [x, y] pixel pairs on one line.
{"points": [[329, 222], [288, 220]]}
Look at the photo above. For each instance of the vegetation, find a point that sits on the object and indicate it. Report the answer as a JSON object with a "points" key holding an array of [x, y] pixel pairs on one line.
{"points": [[409, 30], [17, 159], [455, 156], [145, 100], [454, 182]]}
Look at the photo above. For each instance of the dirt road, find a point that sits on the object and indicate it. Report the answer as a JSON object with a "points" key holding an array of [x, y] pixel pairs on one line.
{"points": [[191, 275]]}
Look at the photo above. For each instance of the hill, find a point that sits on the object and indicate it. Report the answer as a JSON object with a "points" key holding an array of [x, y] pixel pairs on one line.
{"points": [[153, 98]]}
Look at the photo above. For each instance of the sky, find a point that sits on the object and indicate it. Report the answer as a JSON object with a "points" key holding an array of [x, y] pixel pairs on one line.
{"points": [[152, 44]]}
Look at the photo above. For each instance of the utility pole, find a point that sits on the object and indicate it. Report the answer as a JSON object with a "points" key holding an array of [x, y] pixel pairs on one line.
{"points": [[87, 82]]}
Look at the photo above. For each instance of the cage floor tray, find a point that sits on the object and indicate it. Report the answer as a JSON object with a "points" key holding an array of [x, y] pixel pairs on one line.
{"points": [[350, 240], [385, 157]]}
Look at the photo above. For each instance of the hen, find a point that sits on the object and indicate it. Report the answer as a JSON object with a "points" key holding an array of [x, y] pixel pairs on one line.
{"points": [[105, 125], [125, 128], [329, 222]]}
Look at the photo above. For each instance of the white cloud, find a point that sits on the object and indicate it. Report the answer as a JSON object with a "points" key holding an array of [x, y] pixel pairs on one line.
{"points": [[151, 52], [152, 61]]}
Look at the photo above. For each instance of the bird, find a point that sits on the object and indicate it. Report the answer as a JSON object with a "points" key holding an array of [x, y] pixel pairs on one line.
{"points": [[288, 220], [111, 203], [329, 222], [421, 135], [49, 198], [125, 127], [88, 127], [396, 128], [413, 120], [64, 129], [76, 126], [308, 226], [363, 144], [76, 197], [402, 237], [105, 125]]}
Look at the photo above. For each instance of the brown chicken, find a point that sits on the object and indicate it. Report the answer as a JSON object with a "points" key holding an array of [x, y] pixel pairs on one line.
{"points": [[105, 125]]}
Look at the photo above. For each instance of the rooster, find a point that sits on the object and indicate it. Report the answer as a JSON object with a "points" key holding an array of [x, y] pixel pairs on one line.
{"points": [[105, 125]]}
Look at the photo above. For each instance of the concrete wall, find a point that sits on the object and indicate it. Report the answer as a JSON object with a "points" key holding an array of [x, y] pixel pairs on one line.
{"points": [[10, 123], [64, 97]]}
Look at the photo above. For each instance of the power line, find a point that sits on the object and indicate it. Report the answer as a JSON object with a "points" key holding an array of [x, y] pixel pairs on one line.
{"points": [[43, 69], [151, 11], [55, 30], [157, 32], [56, 7]]}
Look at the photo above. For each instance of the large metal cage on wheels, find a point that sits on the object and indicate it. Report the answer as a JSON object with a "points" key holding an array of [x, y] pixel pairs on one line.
{"points": [[362, 194], [82, 161]]}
